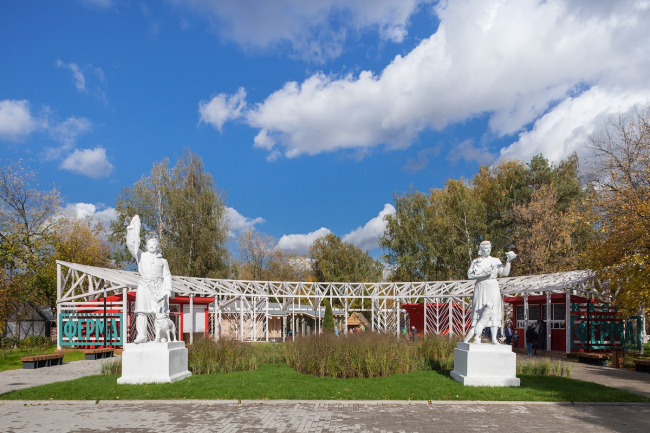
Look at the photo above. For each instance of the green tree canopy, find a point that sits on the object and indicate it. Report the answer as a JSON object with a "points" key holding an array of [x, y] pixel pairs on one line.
{"points": [[337, 261], [185, 210]]}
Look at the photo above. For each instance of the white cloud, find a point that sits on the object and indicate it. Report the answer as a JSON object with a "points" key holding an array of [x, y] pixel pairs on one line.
{"points": [[238, 222], [513, 60], [314, 29], [16, 121], [89, 162], [367, 237], [467, 151], [222, 108], [97, 3], [565, 129], [82, 210], [299, 244], [77, 74], [69, 130]]}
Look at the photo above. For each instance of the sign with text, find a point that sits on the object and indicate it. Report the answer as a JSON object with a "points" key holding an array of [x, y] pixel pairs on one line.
{"points": [[599, 327], [89, 329]]}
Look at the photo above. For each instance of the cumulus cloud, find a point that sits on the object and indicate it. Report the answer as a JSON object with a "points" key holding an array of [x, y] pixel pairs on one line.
{"points": [[69, 130], [16, 121], [238, 222], [514, 61], [469, 152], [367, 237], [222, 108], [315, 29], [100, 212], [77, 74], [299, 243], [89, 162]]}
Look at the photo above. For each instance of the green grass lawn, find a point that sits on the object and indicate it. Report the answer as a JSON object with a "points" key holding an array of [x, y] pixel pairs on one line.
{"points": [[279, 381], [13, 359]]}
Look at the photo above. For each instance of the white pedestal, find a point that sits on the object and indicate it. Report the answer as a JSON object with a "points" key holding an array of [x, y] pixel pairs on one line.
{"points": [[153, 362], [485, 364]]}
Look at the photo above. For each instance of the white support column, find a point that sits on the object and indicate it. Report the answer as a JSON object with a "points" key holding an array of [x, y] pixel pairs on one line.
{"points": [[567, 320], [125, 316], [216, 315], [346, 317], [293, 320], [284, 328], [451, 317], [424, 331], [372, 313], [59, 291], [241, 319], [266, 313], [548, 321], [191, 319], [220, 319], [525, 318]]}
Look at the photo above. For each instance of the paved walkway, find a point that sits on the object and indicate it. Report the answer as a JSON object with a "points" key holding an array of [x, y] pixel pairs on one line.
{"points": [[11, 380], [628, 380], [310, 416]]}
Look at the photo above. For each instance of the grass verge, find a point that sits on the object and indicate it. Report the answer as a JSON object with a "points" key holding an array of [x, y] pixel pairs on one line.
{"points": [[278, 381], [13, 362]]}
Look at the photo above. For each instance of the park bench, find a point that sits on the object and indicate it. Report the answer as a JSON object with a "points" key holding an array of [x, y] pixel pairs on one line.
{"points": [[92, 354], [601, 359], [642, 365], [38, 361]]}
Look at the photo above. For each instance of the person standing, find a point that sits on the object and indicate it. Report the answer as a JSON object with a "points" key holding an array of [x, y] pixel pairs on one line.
{"points": [[414, 333], [530, 339], [508, 333]]}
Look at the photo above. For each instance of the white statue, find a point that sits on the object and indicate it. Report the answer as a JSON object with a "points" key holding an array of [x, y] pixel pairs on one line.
{"points": [[487, 304], [155, 285], [165, 328]]}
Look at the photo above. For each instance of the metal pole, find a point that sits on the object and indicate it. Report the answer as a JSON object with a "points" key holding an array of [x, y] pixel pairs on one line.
{"points": [[105, 322], [451, 317], [125, 317], [58, 307], [191, 319], [525, 320], [568, 330], [346, 316], [241, 319], [424, 331], [548, 322]]}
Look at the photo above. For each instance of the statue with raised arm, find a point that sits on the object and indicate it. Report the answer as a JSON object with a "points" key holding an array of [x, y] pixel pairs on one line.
{"points": [[487, 304], [155, 285]]}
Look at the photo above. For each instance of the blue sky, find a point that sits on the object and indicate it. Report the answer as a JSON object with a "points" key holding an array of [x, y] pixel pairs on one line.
{"points": [[309, 114]]}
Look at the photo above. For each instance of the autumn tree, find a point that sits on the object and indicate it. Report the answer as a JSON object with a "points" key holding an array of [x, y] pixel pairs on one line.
{"points": [[337, 261], [185, 210], [622, 251], [26, 234], [74, 240], [260, 259]]}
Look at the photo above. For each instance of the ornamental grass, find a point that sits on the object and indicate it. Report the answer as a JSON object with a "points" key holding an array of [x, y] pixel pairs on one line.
{"points": [[437, 351], [363, 355], [207, 357], [544, 367]]}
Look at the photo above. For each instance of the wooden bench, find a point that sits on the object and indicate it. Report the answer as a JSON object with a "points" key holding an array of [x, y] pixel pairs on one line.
{"points": [[642, 365], [601, 359], [92, 354], [38, 361]]}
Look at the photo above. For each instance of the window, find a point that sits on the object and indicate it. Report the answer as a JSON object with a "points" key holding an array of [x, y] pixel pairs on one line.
{"points": [[559, 311], [533, 313], [520, 312]]}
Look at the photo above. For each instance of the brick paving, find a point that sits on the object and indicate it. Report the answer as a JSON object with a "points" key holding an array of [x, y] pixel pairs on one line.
{"points": [[310, 416]]}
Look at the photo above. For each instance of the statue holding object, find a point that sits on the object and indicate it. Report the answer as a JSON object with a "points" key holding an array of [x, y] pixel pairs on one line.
{"points": [[155, 285], [487, 304]]}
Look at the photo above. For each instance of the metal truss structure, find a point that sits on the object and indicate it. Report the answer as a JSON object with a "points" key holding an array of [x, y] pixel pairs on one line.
{"points": [[447, 301]]}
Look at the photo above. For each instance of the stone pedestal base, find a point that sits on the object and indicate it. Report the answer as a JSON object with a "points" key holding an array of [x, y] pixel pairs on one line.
{"points": [[153, 362], [485, 364]]}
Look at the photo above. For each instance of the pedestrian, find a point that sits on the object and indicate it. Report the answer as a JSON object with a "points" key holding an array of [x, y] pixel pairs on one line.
{"points": [[414, 333], [530, 339], [336, 331], [541, 335], [508, 333]]}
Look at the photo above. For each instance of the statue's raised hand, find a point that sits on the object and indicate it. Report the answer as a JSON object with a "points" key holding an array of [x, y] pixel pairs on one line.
{"points": [[510, 256], [135, 222]]}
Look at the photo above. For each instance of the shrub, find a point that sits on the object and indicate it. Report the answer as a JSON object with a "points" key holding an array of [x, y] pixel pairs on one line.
{"points": [[437, 351], [367, 354], [8, 344], [113, 366], [35, 343], [268, 353], [544, 367], [328, 320], [208, 357]]}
